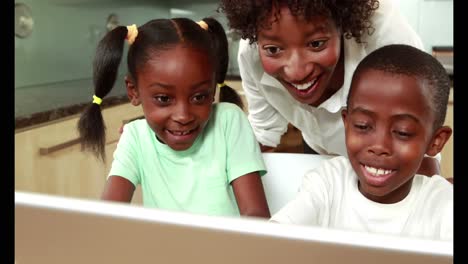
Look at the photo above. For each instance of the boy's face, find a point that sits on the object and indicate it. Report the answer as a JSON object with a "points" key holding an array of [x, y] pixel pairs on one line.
{"points": [[302, 55], [176, 90], [389, 128]]}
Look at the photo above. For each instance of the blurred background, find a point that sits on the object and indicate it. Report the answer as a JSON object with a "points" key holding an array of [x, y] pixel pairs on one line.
{"points": [[55, 41]]}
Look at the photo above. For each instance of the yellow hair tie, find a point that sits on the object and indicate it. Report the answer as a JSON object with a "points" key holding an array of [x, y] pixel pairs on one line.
{"points": [[221, 85], [97, 100], [132, 33], [203, 24]]}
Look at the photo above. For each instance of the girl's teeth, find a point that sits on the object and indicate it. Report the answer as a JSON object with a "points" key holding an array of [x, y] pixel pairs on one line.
{"points": [[180, 133]]}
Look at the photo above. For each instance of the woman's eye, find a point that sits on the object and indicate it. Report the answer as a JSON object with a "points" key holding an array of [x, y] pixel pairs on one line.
{"points": [[317, 44], [272, 50]]}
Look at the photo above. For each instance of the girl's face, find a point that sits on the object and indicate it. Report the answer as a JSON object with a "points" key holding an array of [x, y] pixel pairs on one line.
{"points": [[302, 55], [389, 128], [176, 89]]}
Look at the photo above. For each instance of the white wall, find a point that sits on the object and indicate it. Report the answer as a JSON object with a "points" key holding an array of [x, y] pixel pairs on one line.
{"points": [[432, 19]]}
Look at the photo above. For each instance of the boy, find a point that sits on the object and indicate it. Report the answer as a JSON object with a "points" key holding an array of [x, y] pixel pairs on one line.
{"points": [[395, 113]]}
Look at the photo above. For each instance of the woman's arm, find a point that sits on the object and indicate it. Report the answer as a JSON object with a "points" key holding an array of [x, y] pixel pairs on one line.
{"points": [[118, 189], [268, 125], [250, 195], [430, 166]]}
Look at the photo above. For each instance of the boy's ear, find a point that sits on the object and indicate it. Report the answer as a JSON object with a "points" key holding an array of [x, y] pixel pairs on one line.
{"points": [[440, 137], [132, 91]]}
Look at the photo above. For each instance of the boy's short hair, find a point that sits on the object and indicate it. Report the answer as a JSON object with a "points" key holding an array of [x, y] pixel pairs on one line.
{"points": [[410, 61]]}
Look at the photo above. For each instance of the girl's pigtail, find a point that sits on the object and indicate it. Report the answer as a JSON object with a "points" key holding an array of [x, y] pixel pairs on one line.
{"points": [[226, 94], [105, 69]]}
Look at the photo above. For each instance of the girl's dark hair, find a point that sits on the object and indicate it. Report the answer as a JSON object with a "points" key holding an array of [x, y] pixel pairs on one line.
{"points": [[153, 38], [246, 17]]}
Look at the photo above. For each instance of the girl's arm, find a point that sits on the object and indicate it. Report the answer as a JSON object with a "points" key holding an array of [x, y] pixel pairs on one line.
{"points": [[118, 189], [250, 195]]}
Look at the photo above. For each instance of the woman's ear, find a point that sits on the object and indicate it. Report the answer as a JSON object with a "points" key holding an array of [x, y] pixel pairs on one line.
{"points": [[440, 137], [132, 91]]}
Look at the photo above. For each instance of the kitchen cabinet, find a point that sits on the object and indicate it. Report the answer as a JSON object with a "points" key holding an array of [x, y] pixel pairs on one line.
{"points": [[48, 157], [447, 152]]}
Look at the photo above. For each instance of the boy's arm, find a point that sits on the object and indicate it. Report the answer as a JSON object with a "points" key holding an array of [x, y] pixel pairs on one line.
{"points": [[250, 195]]}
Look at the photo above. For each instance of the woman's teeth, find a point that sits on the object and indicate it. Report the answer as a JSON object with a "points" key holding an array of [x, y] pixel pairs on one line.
{"points": [[377, 172], [304, 86]]}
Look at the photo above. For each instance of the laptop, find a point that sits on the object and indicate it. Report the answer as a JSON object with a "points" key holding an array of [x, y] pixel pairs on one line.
{"points": [[284, 175], [52, 229]]}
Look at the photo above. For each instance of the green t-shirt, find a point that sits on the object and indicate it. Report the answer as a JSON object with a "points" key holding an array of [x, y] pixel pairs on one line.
{"points": [[195, 180]]}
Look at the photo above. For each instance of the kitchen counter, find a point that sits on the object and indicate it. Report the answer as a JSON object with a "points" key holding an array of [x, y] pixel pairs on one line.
{"points": [[40, 104]]}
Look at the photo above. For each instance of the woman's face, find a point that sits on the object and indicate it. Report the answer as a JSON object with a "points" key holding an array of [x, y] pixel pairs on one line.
{"points": [[301, 54]]}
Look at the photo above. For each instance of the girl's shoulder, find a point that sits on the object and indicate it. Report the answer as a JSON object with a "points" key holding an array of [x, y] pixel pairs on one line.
{"points": [[227, 114], [135, 127], [224, 108]]}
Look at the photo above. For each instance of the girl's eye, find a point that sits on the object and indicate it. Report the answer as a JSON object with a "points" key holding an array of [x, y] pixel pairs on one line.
{"points": [[163, 99], [200, 98], [271, 50], [317, 44]]}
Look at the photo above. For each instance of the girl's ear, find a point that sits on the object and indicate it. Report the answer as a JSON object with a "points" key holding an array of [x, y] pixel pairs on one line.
{"points": [[132, 91], [440, 137]]}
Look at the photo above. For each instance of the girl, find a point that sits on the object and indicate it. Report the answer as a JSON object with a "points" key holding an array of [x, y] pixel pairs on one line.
{"points": [[300, 68], [188, 153]]}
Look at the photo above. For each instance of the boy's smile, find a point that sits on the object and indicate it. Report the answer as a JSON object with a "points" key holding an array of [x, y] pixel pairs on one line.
{"points": [[389, 128]]}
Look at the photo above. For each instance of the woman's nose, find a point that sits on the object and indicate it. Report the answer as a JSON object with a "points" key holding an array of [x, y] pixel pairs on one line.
{"points": [[298, 67]]}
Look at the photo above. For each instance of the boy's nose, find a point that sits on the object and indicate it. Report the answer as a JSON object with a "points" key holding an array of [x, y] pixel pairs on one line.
{"points": [[381, 144]]}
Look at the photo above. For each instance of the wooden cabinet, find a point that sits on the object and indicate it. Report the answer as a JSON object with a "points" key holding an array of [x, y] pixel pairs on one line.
{"points": [[48, 158], [447, 152]]}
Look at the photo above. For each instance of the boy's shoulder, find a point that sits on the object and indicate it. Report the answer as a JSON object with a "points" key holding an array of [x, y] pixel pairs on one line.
{"points": [[434, 186]]}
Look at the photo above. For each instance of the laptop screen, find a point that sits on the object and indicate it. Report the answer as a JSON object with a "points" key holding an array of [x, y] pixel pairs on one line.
{"points": [[52, 229]]}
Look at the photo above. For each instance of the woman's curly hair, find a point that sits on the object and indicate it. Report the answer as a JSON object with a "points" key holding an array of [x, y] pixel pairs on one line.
{"points": [[247, 16]]}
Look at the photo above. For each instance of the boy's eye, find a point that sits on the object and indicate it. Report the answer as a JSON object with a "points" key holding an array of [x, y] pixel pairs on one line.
{"points": [[317, 44], [402, 134], [271, 50]]}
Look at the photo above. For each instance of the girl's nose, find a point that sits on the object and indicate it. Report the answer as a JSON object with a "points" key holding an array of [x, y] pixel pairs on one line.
{"points": [[182, 114]]}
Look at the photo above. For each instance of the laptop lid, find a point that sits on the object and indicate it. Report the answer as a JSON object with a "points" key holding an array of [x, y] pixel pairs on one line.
{"points": [[52, 229]]}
